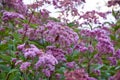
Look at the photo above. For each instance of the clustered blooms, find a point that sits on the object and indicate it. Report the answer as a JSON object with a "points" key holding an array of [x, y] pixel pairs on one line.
{"points": [[48, 62], [24, 66], [93, 17], [97, 72], [63, 5], [108, 46], [81, 47], [104, 45], [63, 39], [113, 2], [102, 36], [58, 53], [17, 5], [78, 74], [31, 33], [71, 65], [30, 51], [113, 60], [53, 32], [11, 15], [59, 34]]}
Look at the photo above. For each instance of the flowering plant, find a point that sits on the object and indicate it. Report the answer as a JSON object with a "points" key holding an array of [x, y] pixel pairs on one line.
{"points": [[35, 46]]}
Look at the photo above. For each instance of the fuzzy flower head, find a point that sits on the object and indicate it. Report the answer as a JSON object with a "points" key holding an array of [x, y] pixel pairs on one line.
{"points": [[24, 66], [117, 54], [59, 34], [46, 59], [81, 47], [17, 5], [32, 34], [71, 65], [112, 60], [58, 53], [30, 50], [78, 74], [102, 36], [47, 62], [11, 15]]}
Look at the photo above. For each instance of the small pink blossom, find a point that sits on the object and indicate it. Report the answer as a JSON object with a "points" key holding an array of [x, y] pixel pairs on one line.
{"points": [[24, 66]]}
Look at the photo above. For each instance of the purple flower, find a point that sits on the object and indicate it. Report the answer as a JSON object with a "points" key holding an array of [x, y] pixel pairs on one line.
{"points": [[112, 60], [81, 47], [113, 3], [59, 34], [58, 76], [11, 15], [44, 13], [92, 17], [18, 62], [102, 36], [24, 66], [14, 60], [46, 72], [111, 78], [21, 47], [46, 59], [30, 50], [17, 5], [71, 65], [117, 54], [91, 48], [78, 74], [58, 53], [48, 63], [97, 72]]}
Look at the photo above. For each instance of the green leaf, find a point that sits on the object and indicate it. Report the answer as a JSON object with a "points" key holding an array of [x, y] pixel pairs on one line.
{"points": [[36, 43], [5, 57], [3, 62], [12, 71], [118, 67], [98, 67], [75, 54], [113, 13], [12, 74], [72, 24]]}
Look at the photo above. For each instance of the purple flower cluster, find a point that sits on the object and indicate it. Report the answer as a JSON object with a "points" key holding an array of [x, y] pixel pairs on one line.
{"points": [[117, 54], [31, 33], [18, 62], [93, 17], [97, 72], [87, 33], [108, 46], [11, 15], [81, 47], [47, 62], [78, 74], [53, 32], [71, 65], [59, 34], [113, 3], [113, 60], [30, 51], [44, 13], [17, 5], [58, 53], [24, 66], [102, 36], [104, 40], [90, 48]]}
